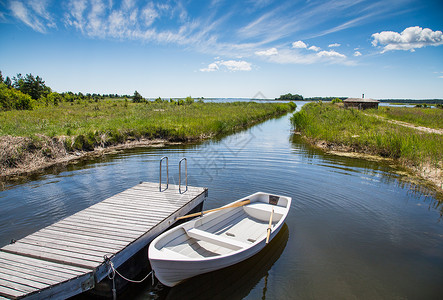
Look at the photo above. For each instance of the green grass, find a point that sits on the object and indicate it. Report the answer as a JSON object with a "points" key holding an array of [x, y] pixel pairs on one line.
{"points": [[88, 124], [368, 134], [427, 117]]}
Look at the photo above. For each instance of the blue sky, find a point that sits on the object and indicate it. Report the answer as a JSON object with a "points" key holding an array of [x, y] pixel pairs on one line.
{"points": [[385, 49]]}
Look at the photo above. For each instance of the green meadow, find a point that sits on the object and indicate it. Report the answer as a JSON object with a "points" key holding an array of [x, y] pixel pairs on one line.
{"points": [[364, 132], [86, 124], [426, 117]]}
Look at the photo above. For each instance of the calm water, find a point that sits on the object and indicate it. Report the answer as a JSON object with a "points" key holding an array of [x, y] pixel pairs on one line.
{"points": [[354, 229]]}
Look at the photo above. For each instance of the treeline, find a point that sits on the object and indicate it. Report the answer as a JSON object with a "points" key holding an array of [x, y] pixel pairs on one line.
{"points": [[413, 101], [298, 97], [26, 92], [325, 99]]}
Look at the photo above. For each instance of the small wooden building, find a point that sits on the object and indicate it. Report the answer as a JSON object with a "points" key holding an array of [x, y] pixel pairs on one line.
{"points": [[361, 103]]}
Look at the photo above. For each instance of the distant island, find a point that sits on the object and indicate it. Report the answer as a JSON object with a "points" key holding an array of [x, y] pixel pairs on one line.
{"points": [[289, 96]]}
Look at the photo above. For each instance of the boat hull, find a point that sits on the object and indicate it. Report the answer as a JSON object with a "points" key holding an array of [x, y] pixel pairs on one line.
{"points": [[173, 272]]}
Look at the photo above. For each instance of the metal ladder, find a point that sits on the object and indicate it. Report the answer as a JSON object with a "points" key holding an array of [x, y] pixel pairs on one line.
{"points": [[179, 174]]}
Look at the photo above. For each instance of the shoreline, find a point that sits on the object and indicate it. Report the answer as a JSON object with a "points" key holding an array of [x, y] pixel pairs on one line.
{"points": [[430, 174], [38, 161]]}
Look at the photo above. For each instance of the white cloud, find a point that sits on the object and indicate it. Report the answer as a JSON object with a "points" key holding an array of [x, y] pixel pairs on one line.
{"points": [[211, 68], [357, 53], [236, 65], [231, 65], [314, 48], [440, 76], [334, 45], [297, 56], [409, 39], [330, 53], [299, 44], [269, 52]]}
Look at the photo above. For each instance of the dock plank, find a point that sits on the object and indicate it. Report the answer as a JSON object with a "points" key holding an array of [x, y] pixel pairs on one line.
{"points": [[84, 245], [47, 254], [107, 224], [105, 236], [21, 284], [10, 292], [115, 220], [72, 270], [37, 272], [76, 237], [103, 232], [57, 246], [26, 278]]}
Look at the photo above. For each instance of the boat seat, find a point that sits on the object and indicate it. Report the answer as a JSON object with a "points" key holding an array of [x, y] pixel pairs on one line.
{"points": [[263, 210], [216, 239]]}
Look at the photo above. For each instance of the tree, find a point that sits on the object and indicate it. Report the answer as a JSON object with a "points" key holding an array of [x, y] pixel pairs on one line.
{"points": [[33, 86], [8, 82], [137, 98]]}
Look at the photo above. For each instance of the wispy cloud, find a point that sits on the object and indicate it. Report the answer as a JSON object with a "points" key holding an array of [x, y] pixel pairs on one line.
{"points": [[409, 39], [34, 14], [357, 53], [219, 28]]}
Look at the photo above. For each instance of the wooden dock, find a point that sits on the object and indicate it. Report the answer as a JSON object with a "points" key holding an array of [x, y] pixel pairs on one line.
{"points": [[67, 258]]}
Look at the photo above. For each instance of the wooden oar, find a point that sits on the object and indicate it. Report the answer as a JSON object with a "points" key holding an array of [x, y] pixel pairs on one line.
{"points": [[238, 204], [269, 227]]}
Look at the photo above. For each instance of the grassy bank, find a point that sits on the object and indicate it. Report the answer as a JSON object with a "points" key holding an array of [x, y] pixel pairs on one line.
{"points": [[432, 118], [56, 130], [353, 130]]}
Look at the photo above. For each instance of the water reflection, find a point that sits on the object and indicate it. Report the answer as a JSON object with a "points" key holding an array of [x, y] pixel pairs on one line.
{"points": [[371, 171]]}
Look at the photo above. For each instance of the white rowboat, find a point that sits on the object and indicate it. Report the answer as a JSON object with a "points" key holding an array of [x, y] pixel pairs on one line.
{"points": [[218, 239]]}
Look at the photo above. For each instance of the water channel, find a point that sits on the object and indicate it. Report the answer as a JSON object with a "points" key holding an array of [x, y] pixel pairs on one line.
{"points": [[355, 229]]}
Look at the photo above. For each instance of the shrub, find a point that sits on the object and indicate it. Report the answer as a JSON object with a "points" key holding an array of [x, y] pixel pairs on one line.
{"points": [[189, 100], [13, 99], [84, 142], [336, 100]]}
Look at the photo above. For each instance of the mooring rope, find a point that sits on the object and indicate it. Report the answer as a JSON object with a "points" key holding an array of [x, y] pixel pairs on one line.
{"points": [[111, 275]]}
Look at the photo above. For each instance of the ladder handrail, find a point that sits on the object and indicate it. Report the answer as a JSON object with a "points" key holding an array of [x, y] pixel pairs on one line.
{"points": [[180, 174], [167, 173]]}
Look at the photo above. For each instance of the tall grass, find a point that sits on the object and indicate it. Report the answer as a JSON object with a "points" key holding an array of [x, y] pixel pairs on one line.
{"points": [[87, 125], [367, 133], [427, 117]]}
